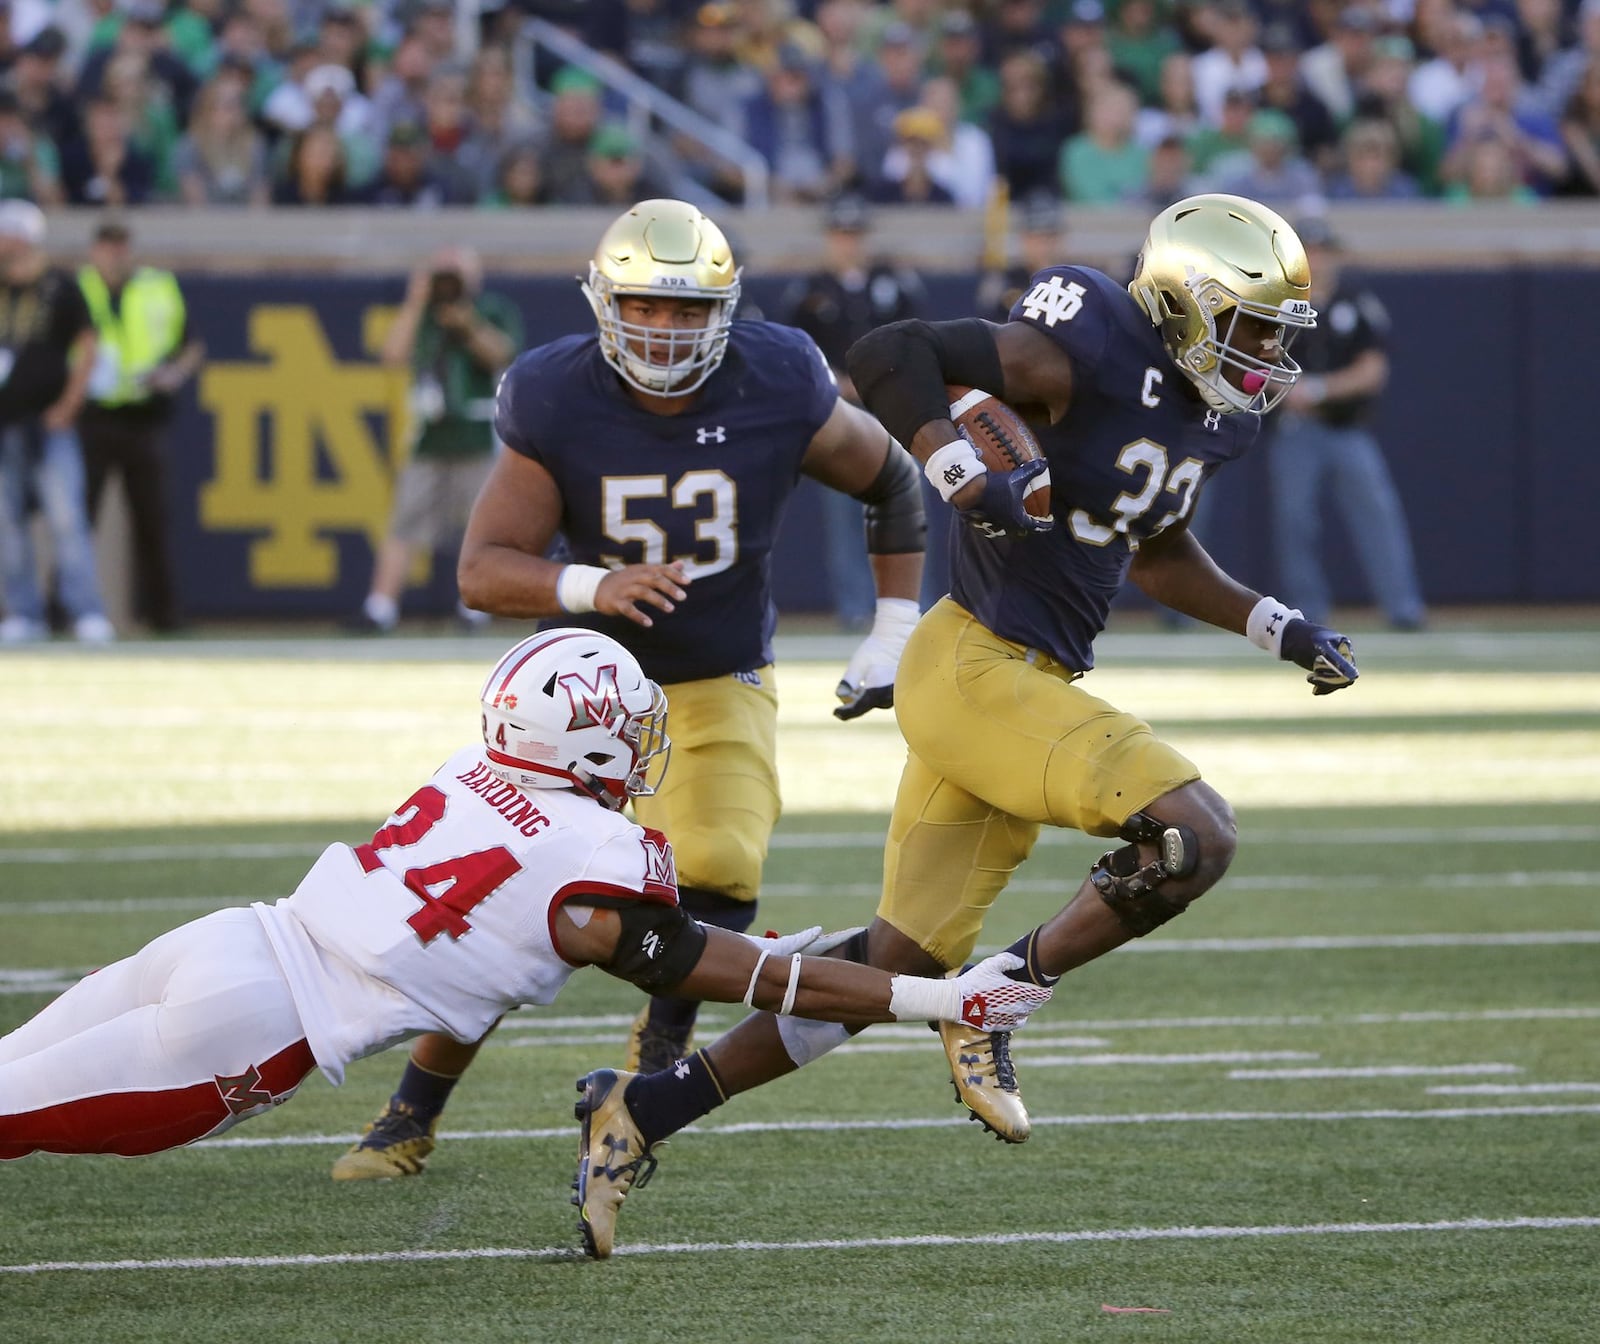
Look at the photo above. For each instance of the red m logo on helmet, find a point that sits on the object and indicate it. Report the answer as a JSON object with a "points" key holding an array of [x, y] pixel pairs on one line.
{"points": [[596, 704]]}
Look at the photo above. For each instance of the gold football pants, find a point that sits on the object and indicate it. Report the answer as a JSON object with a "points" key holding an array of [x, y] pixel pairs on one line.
{"points": [[720, 800], [1000, 741]]}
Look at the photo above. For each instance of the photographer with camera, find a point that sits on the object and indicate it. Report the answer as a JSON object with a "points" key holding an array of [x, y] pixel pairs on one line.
{"points": [[455, 339]]}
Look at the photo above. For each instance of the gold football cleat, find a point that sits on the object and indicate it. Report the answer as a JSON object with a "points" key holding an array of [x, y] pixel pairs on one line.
{"points": [[612, 1158], [651, 1049], [395, 1144], [985, 1079]]}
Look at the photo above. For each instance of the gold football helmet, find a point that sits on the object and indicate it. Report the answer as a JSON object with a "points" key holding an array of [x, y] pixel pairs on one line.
{"points": [[663, 249], [1207, 261]]}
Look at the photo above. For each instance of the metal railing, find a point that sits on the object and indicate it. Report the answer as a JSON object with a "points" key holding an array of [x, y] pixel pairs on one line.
{"points": [[646, 106]]}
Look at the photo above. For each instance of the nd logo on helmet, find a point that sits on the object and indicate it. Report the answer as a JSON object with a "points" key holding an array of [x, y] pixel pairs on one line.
{"points": [[594, 705]]}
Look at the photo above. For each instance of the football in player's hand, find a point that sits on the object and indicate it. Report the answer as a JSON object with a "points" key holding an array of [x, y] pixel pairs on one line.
{"points": [[1002, 438]]}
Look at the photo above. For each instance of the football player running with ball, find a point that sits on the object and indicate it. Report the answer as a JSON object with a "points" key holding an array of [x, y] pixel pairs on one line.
{"points": [[663, 448], [1137, 396], [508, 870]]}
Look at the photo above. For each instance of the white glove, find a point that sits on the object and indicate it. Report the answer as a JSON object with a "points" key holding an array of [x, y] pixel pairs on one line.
{"points": [[786, 945], [984, 997], [868, 681]]}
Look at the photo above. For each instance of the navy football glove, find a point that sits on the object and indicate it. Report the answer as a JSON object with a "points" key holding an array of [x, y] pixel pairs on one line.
{"points": [[1325, 654], [1000, 511]]}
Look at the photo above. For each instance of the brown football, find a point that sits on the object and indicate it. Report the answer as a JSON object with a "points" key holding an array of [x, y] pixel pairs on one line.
{"points": [[1002, 438]]}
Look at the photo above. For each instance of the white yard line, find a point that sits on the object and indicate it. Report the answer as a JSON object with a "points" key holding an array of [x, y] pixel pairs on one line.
{"points": [[567, 1133], [1511, 1089], [869, 840], [1376, 1071], [922, 1242]]}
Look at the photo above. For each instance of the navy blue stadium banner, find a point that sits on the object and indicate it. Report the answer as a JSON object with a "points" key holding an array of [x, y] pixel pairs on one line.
{"points": [[286, 446]]}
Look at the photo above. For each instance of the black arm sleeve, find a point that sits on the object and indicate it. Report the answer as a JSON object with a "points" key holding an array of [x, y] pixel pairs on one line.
{"points": [[900, 370], [659, 944], [894, 506]]}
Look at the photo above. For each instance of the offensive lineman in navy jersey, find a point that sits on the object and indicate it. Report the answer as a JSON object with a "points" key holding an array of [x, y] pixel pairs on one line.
{"points": [[664, 449], [1137, 396]]}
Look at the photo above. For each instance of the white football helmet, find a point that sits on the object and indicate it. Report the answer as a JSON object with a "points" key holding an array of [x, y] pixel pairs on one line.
{"points": [[572, 709]]}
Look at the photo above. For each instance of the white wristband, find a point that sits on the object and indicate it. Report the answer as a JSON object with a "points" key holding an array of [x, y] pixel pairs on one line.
{"points": [[795, 962], [895, 618], [953, 466], [576, 586], [915, 999], [1264, 626], [755, 976]]}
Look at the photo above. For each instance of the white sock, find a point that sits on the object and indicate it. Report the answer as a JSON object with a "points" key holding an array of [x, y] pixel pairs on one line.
{"points": [[384, 610]]}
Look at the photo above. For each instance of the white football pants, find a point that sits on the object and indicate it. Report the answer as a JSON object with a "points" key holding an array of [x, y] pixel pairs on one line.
{"points": [[177, 1042]]}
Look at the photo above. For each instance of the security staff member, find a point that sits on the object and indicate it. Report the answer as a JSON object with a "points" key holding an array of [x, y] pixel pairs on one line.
{"points": [[836, 306], [145, 355]]}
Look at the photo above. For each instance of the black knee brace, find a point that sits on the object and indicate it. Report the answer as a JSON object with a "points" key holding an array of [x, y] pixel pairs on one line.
{"points": [[1133, 890]]}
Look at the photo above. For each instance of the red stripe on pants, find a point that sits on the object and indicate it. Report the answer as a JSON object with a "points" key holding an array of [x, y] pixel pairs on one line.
{"points": [[132, 1124]]}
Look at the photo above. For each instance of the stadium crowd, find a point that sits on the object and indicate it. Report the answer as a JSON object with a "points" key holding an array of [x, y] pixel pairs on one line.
{"points": [[334, 102]]}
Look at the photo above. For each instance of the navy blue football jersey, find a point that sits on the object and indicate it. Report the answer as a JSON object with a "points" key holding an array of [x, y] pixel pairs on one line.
{"points": [[1127, 460], [707, 486]]}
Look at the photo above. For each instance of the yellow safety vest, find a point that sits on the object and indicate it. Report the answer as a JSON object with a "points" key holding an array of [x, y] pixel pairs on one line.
{"points": [[137, 335]]}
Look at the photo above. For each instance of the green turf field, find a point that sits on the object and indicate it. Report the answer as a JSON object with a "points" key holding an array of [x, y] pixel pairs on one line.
{"points": [[1353, 1096]]}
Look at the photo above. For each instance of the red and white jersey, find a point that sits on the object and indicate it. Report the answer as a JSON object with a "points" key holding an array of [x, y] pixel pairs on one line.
{"points": [[445, 919]]}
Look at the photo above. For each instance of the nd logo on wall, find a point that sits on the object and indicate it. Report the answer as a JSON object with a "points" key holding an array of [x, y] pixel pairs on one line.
{"points": [[306, 445]]}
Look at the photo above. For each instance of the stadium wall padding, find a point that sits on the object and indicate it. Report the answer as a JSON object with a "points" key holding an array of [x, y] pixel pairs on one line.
{"points": [[284, 448]]}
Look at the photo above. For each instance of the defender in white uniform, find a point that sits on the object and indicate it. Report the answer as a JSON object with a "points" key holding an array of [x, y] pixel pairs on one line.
{"points": [[504, 873]]}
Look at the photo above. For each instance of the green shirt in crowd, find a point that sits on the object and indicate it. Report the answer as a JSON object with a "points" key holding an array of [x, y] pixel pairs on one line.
{"points": [[452, 395]]}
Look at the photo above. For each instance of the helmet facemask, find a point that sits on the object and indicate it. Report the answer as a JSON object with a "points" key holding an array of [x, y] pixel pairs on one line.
{"points": [[1262, 383], [692, 353]]}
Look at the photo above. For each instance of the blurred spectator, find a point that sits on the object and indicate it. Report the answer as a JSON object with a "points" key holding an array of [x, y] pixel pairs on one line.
{"points": [[152, 121], [1439, 86], [516, 181], [1233, 62], [1285, 91], [1323, 446], [501, 116], [342, 39], [104, 168], [1564, 71], [1372, 169], [242, 47], [1039, 224], [574, 118], [1211, 144], [919, 136], [454, 337], [1580, 131], [314, 173], [1027, 129], [412, 175], [966, 165], [139, 34], [40, 87], [434, 24], [399, 94], [917, 19], [859, 80], [145, 355], [222, 160], [651, 45], [900, 61], [1105, 165], [1541, 25], [1489, 171], [1171, 173], [49, 344], [714, 81], [1081, 41], [617, 173], [30, 167], [801, 130], [1383, 94], [958, 56], [764, 27], [1501, 112], [1272, 170], [457, 159], [1174, 112], [1334, 69], [852, 294], [1140, 41], [1017, 25]]}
